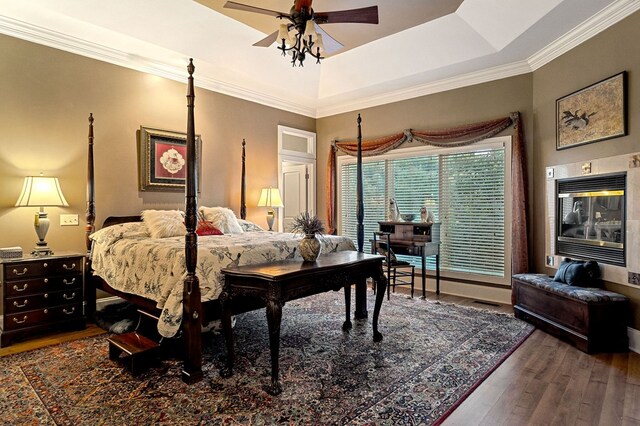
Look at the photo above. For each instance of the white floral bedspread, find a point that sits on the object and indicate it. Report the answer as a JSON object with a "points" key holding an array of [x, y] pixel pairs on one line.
{"points": [[131, 261]]}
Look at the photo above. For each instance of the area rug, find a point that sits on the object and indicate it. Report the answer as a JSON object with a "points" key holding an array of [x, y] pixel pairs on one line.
{"points": [[431, 357]]}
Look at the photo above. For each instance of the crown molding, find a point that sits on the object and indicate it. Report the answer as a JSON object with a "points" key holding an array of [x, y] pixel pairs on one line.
{"points": [[607, 17], [470, 79], [57, 40]]}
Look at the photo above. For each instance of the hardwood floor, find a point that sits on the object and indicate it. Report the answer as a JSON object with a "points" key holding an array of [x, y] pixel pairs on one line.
{"points": [[52, 338], [544, 382]]}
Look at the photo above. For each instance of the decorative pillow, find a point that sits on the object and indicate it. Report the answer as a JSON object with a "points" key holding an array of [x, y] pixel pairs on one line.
{"points": [[248, 226], [222, 218], [164, 223], [579, 273], [207, 228]]}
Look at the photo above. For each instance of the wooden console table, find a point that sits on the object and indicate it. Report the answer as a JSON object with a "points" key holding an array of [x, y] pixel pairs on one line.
{"points": [[279, 282], [416, 239]]}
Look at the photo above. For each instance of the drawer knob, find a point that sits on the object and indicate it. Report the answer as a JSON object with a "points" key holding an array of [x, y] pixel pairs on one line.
{"points": [[46, 280], [17, 321], [24, 271], [73, 280], [64, 265], [46, 311], [16, 288], [73, 309], [45, 264], [18, 305], [46, 295], [73, 295]]}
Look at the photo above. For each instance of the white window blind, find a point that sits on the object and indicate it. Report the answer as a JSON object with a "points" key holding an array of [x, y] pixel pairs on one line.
{"points": [[472, 212], [464, 190]]}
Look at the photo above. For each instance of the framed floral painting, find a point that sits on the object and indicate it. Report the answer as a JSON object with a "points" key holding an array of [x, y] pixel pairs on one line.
{"points": [[592, 114], [162, 158]]}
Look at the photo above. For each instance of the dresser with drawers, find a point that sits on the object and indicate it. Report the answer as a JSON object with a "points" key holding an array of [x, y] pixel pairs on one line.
{"points": [[41, 294]]}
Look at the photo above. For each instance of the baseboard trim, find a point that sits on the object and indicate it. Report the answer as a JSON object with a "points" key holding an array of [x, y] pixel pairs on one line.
{"points": [[634, 339]]}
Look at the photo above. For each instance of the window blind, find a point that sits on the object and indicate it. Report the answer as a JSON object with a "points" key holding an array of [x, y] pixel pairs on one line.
{"points": [[464, 190]]}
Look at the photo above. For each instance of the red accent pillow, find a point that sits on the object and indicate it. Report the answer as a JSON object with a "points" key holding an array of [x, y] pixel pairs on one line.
{"points": [[207, 228]]}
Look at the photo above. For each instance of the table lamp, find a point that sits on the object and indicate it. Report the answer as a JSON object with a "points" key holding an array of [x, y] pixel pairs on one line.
{"points": [[41, 191], [270, 197]]}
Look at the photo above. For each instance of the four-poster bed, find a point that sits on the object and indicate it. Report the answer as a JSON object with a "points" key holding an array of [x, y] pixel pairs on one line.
{"points": [[194, 300]]}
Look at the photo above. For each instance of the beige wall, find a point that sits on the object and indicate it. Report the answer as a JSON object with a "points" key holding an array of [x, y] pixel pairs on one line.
{"points": [[46, 98], [606, 54]]}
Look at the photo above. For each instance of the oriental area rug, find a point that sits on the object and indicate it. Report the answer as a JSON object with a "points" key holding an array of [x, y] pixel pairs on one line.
{"points": [[432, 355]]}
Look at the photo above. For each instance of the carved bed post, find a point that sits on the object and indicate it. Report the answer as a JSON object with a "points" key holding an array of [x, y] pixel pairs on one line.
{"points": [[192, 311], [90, 289], [361, 286], [91, 206], [359, 200], [243, 204]]}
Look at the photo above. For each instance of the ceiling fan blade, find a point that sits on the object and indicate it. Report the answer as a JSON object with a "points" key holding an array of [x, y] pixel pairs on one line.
{"points": [[268, 40], [365, 15], [247, 8], [331, 45]]}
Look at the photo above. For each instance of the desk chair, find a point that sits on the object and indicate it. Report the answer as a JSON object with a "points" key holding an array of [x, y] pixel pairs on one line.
{"points": [[397, 272]]}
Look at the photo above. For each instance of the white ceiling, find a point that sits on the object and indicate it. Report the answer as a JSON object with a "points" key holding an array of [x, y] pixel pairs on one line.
{"points": [[481, 41]]}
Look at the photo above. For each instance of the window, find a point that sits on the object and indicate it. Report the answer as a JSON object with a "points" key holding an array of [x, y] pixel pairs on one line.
{"points": [[464, 188]]}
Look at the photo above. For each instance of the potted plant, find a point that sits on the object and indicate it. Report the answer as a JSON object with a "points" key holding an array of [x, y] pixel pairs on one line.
{"points": [[309, 226]]}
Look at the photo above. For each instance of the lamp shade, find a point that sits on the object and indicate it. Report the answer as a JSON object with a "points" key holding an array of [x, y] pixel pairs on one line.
{"points": [[270, 197], [41, 191]]}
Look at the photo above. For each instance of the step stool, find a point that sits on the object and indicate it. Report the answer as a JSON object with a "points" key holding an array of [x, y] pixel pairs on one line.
{"points": [[138, 350]]}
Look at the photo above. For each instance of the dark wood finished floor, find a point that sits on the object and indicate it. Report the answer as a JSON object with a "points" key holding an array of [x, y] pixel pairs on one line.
{"points": [[544, 382]]}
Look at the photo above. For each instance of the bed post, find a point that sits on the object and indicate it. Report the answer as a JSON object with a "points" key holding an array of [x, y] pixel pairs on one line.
{"points": [[90, 289], [192, 308], [243, 204], [360, 201]]}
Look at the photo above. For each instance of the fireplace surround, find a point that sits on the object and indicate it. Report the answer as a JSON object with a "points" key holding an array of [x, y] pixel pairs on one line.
{"points": [[606, 221]]}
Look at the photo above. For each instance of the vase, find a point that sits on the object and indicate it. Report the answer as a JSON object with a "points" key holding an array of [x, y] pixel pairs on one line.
{"points": [[309, 248]]}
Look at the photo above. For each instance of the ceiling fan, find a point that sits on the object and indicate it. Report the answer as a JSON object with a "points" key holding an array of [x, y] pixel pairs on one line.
{"points": [[308, 37]]}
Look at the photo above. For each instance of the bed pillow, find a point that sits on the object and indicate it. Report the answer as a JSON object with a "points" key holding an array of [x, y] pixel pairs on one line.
{"points": [[222, 218], [207, 228], [579, 273], [248, 226], [164, 223], [113, 233]]}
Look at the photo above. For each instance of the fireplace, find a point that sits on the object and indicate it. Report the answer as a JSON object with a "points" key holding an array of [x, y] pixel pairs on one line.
{"points": [[590, 221]]}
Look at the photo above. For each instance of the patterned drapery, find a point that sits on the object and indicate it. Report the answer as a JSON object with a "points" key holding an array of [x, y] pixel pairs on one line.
{"points": [[453, 137]]}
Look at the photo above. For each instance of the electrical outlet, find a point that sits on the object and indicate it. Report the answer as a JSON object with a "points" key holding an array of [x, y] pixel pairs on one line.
{"points": [[68, 220], [634, 278]]}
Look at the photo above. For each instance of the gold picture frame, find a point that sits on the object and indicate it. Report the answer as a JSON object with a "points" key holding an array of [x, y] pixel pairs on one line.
{"points": [[595, 113], [162, 156]]}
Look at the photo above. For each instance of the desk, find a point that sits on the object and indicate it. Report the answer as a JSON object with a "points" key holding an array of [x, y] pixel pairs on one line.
{"points": [[278, 282], [416, 239]]}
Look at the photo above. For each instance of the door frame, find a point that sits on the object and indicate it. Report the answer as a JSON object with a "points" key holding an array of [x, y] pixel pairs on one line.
{"points": [[297, 157]]}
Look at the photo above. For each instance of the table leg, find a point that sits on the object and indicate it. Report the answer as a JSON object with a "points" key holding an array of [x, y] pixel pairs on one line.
{"points": [[381, 284], [274, 318], [424, 274], [347, 305], [225, 303], [361, 299], [437, 273]]}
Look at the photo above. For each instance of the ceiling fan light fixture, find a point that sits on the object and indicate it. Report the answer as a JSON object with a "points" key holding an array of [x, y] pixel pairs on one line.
{"points": [[319, 43], [310, 34], [283, 34]]}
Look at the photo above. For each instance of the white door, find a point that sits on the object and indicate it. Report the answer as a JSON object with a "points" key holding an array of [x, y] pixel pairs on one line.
{"points": [[296, 192]]}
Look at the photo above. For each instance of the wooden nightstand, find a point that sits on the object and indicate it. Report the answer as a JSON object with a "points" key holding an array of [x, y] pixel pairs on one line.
{"points": [[41, 293]]}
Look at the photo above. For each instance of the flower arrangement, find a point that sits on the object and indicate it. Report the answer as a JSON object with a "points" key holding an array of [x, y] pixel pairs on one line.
{"points": [[307, 224]]}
